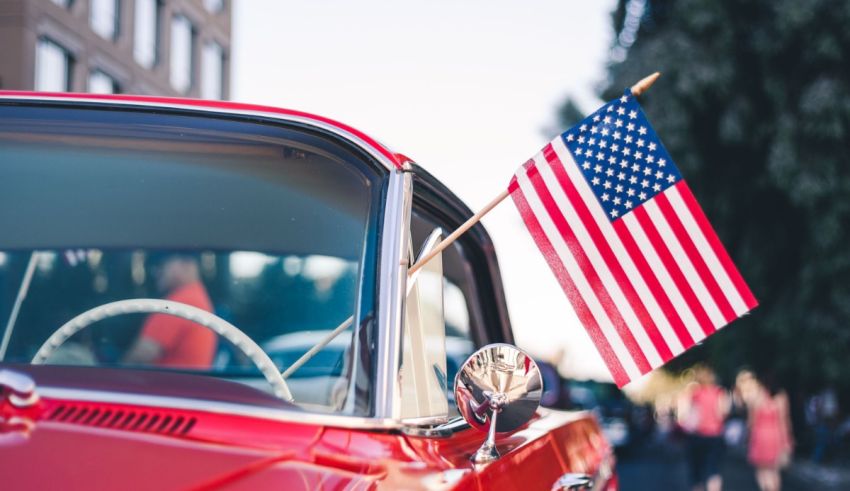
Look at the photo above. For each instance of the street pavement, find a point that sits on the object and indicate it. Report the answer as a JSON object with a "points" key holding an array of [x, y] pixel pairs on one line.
{"points": [[660, 465]]}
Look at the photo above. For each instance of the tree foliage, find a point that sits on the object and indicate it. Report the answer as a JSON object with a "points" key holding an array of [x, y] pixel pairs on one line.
{"points": [[754, 106]]}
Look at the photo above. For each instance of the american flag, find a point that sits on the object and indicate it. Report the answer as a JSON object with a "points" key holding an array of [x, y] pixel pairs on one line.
{"points": [[627, 240]]}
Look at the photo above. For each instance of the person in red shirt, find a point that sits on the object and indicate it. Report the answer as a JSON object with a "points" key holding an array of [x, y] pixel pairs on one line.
{"points": [[771, 438], [169, 341], [703, 416]]}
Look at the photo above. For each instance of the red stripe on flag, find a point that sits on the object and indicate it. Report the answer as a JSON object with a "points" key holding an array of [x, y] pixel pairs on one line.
{"points": [[607, 253], [589, 271], [673, 269], [716, 245], [695, 258], [583, 312], [514, 185], [654, 285]]}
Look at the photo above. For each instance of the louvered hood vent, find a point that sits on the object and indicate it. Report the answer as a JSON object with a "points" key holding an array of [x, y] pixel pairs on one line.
{"points": [[159, 422]]}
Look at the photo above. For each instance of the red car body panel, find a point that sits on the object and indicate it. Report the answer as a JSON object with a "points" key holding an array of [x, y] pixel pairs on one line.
{"points": [[74, 444], [85, 446]]}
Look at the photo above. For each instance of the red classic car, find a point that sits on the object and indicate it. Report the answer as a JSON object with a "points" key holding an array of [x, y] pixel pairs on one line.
{"points": [[202, 295]]}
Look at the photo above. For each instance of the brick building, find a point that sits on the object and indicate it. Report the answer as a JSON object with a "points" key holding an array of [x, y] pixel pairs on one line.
{"points": [[157, 47]]}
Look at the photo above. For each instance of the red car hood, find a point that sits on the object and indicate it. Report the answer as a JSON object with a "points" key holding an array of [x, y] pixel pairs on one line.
{"points": [[55, 455], [63, 455], [79, 444]]}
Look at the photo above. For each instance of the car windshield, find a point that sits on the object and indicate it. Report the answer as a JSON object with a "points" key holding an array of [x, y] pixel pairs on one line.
{"points": [[269, 228]]}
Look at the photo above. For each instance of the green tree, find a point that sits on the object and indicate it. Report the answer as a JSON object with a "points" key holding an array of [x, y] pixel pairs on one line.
{"points": [[754, 105]]}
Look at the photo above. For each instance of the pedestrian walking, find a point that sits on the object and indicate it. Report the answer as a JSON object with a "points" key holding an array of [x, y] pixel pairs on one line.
{"points": [[771, 440], [822, 415], [702, 416], [735, 433]]}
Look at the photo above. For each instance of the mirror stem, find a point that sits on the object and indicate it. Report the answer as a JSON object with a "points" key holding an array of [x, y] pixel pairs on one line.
{"points": [[487, 452], [491, 432]]}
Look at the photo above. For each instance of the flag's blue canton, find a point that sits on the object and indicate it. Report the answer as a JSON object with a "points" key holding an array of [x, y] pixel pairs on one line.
{"points": [[621, 156]]}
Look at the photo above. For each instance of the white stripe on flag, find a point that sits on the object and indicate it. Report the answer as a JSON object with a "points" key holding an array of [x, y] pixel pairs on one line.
{"points": [[706, 252], [617, 247], [663, 277], [597, 262], [684, 263], [573, 269]]}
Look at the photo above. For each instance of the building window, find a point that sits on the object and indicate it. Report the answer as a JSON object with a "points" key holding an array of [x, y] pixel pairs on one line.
{"points": [[63, 3], [103, 18], [212, 75], [182, 39], [52, 67], [214, 6], [146, 32], [101, 83]]}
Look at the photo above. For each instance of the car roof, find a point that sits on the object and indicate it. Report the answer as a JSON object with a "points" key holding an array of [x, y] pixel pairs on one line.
{"points": [[390, 159]]}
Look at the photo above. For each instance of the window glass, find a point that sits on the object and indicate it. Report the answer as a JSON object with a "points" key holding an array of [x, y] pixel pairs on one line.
{"points": [[101, 83], [459, 341], [212, 77], [63, 3], [457, 298], [182, 37], [423, 362], [269, 228], [103, 18], [52, 67], [146, 32], [214, 6]]}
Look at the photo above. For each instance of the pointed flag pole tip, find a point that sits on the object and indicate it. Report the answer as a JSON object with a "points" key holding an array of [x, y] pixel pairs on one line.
{"points": [[641, 87]]}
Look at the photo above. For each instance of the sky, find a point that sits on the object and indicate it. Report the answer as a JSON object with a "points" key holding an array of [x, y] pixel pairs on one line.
{"points": [[466, 88]]}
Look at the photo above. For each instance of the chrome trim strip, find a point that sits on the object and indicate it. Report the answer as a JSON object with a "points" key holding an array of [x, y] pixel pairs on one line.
{"points": [[216, 407], [443, 430], [355, 140], [393, 281]]}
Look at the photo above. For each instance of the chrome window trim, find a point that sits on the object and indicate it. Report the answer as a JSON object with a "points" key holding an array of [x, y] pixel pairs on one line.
{"points": [[444, 430], [236, 409], [395, 246], [393, 286]]}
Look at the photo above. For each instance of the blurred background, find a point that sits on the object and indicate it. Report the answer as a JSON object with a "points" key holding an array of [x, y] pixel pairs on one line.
{"points": [[754, 104]]}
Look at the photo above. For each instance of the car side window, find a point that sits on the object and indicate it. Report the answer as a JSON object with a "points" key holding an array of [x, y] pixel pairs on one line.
{"points": [[459, 309], [422, 373]]}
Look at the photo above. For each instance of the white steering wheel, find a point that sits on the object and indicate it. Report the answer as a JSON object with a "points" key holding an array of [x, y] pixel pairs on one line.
{"points": [[168, 307]]}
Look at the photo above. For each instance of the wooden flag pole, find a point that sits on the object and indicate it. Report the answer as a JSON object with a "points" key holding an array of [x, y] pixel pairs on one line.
{"points": [[637, 89], [460, 230]]}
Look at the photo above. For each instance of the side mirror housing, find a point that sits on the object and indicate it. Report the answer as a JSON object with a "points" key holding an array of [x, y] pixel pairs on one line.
{"points": [[497, 390]]}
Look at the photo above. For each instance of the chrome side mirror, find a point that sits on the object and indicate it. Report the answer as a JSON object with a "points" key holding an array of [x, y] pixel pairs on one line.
{"points": [[497, 390]]}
